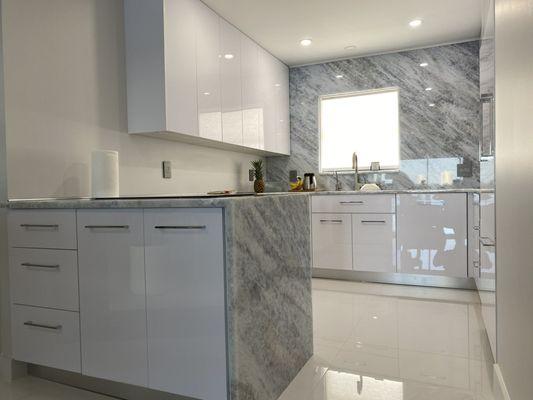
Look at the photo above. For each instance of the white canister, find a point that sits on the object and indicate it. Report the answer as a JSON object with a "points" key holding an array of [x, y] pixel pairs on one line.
{"points": [[104, 173]]}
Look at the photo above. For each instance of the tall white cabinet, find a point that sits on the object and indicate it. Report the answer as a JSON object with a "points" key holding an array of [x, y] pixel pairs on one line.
{"points": [[112, 295], [186, 302], [194, 77]]}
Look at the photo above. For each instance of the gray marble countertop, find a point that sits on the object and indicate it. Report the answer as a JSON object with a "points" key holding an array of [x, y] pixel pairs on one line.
{"points": [[191, 201]]}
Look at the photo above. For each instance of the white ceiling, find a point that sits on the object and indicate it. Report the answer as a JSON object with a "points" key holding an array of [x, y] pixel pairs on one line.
{"points": [[374, 26]]}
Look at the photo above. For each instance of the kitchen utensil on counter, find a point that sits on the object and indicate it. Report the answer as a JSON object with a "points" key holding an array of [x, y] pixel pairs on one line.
{"points": [[309, 182], [104, 173]]}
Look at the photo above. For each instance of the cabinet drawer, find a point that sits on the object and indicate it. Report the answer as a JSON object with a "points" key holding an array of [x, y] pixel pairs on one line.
{"points": [[374, 242], [366, 203], [46, 337], [45, 278], [332, 241], [45, 229]]}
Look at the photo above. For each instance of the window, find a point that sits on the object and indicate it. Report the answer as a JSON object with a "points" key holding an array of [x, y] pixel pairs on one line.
{"points": [[364, 122]]}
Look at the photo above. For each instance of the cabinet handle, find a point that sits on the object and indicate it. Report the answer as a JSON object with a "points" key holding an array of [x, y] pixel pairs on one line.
{"points": [[333, 221], [107, 227], [35, 325], [31, 265], [43, 226], [373, 222], [352, 202], [476, 228], [180, 227]]}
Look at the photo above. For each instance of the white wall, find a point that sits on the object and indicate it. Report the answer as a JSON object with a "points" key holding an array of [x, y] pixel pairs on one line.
{"points": [[66, 95], [514, 194]]}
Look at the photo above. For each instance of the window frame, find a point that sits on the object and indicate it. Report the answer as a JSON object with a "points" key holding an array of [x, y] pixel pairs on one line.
{"points": [[387, 168]]}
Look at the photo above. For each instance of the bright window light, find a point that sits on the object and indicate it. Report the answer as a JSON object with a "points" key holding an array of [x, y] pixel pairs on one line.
{"points": [[364, 122]]}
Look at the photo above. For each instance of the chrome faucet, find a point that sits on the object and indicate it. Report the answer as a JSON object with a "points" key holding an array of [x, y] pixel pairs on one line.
{"points": [[355, 167]]}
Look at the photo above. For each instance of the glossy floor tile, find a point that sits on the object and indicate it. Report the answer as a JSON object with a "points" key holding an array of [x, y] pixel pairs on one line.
{"points": [[389, 342]]}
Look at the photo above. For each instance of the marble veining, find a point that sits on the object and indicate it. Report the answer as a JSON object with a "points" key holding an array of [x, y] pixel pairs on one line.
{"points": [[432, 139]]}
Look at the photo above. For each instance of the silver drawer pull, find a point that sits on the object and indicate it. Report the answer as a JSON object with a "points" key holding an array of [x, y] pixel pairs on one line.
{"points": [[476, 228], [352, 202], [48, 266], [107, 227], [35, 325], [180, 227], [332, 221], [373, 222], [42, 226]]}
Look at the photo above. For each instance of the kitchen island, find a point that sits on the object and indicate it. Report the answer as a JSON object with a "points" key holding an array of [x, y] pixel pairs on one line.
{"points": [[266, 272]]}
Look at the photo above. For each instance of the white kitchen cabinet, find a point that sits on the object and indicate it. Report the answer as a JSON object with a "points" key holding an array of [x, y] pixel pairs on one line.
{"points": [[230, 83], [332, 241], [186, 302], [112, 295], [44, 278], [431, 234], [252, 110], [374, 242], [46, 337], [161, 66], [208, 73], [473, 235], [355, 203]]}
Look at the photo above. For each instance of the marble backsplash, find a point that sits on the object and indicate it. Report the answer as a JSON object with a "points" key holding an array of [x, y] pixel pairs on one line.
{"points": [[432, 139]]}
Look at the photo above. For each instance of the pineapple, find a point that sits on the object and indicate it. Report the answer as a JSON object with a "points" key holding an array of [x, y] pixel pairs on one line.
{"points": [[259, 183]]}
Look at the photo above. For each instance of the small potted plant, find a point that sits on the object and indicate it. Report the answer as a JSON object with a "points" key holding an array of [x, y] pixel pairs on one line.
{"points": [[259, 183]]}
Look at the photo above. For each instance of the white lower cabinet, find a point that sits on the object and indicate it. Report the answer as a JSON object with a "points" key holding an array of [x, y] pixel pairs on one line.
{"points": [[374, 242], [46, 337], [112, 295], [186, 302], [332, 241], [432, 237]]}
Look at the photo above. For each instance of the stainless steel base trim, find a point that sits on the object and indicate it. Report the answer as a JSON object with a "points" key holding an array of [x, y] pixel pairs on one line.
{"points": [[396, 278], [101, 386]]}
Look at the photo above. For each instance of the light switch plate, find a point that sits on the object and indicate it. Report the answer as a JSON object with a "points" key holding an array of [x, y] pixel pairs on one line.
{"points": [[167, 169]]}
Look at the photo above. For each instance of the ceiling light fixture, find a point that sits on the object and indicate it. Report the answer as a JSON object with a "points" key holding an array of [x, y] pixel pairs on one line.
{"points": [[228, 56], [206, 93], [424, 64], [415, 23], [306, 42]]}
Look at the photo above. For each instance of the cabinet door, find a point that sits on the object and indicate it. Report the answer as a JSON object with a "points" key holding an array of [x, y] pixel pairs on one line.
{"points": [[112, 295], [208, 73], [186, 302], [332, 241], [268, 77], [432, 234], [230, 81], [180, 66], [281, 104], [252, 113], [374, 242]]}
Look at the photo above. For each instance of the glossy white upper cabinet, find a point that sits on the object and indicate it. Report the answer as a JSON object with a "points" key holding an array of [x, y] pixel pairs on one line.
{"points": [[112, 295], [161, 66], [208, 73], [230, 83], [186, 302], [252, 104], [332, 241], [431, 235], [374, 242], [194, 77]]}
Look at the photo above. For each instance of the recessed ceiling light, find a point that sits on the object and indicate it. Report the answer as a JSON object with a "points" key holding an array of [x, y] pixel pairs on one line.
{"points": [[277, 84], [350, 48], [432, 104], [424, 64], [206, 93], [428, 89], [339, 76], [415, 23], [228, 56], [306, 42]]}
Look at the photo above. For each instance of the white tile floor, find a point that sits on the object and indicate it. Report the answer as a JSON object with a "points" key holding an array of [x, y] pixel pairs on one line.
{"points": [[384, 342], [372, 342]]}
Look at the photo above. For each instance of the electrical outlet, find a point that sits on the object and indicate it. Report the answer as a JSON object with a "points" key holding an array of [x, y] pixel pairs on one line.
{"points": [[167, 169], [251, 175]]}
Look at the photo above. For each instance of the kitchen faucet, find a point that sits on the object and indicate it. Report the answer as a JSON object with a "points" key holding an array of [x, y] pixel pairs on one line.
{"points": [[355, 167]]}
